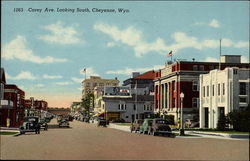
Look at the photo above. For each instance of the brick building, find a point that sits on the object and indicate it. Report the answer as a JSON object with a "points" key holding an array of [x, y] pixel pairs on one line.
{"points": [[183, 76], [12, 103]]}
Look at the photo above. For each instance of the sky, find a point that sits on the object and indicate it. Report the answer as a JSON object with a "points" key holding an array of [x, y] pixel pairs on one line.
{"points": [[46, 45]]}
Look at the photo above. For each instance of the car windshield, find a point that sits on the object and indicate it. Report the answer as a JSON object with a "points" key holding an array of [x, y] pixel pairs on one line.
{"points": [[161, 121]]}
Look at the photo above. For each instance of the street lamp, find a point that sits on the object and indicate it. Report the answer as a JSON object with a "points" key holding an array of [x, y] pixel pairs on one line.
{"points": [[182, 128]]}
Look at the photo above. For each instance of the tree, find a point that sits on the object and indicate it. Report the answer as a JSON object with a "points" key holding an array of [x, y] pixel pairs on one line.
{"points": [[222, 124], [87, 102], [240, 119]]}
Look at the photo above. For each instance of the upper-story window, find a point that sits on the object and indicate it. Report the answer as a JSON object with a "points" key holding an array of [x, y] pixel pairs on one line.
{"points": [[87, 84], [201, 67], [204, 91], [195, 67], [207, 91], [218, 89], [174, 85], [213, 90], [195, 85], [211, 67], [223, 88], [195, 102], [242, 88], [235, 71]]}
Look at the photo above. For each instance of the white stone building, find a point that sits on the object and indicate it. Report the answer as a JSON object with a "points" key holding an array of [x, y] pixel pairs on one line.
{"points": [[222, 91]]}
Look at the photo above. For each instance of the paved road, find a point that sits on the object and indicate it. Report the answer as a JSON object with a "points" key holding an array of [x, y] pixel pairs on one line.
{"points": [[87, 142]]}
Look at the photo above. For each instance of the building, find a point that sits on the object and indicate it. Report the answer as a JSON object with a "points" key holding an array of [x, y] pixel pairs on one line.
{"points": [[12, 103], [183, 76], [222, 91], [59, 111], [132, 100], [35, 107], [88, 85]]}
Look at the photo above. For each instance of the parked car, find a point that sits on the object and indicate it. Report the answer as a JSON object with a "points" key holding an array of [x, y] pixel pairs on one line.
{"points": [[135, 126], [145, 126], [43, 124], [64, 123], [160, 126], [102, 122], [30, 124]]}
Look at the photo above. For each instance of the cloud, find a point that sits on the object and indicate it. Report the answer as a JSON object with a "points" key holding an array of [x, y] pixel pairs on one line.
{"points": [[128, 71], [89, 72], [213, 23], [77, 80], [131, 37], [17, 49], [22, 75], [39, 85], [62, 83], [61, 34], [46, 76], [182, 41]]}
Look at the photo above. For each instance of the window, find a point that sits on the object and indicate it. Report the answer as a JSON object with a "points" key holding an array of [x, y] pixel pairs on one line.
{"points": [[213, 90], [243, 100], [207, 91], [94, 84], [195, 67], [201, 67], [119, 107], [125, 107], [204, 91], [101, 84], [235, 71], [242, 88], [223, 89], [134, 106], [173, 102], [195, 85], [122, 106], [211, 67], [218, 89], [173, 85], [195, 102]]}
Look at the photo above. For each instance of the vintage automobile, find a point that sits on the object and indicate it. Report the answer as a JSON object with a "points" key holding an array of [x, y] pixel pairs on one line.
{"points": [[145, 126], [102, 122], [43, 124], [30, 124], [135, 126], [160, 126], [63, 123]]}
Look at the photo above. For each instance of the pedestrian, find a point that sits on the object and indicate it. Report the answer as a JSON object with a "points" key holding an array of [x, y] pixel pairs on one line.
{"points": [[179, 123], [8, 122]]}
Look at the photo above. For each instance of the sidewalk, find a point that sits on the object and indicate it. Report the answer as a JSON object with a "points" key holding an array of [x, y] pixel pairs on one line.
{"points": [[9, 129], [198, 133]]}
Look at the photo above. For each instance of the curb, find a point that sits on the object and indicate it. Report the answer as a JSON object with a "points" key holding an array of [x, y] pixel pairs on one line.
{"points": [[221, 134]]}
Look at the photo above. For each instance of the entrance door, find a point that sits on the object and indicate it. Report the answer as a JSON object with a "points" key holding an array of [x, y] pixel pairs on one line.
{"points": [[133, 118], [206, 117]]}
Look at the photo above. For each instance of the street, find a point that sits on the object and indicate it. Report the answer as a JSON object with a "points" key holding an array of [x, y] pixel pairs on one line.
{"points": [[83, 141]]}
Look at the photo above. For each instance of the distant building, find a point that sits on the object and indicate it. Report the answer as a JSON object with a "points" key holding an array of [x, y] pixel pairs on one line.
{"points": [[35, 107], [183, 76], [222, 91], [59, 111], [88, 85], [132, 100]]}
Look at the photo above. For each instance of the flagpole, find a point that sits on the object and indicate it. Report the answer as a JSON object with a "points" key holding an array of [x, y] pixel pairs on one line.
{"points": [[220, 56]]}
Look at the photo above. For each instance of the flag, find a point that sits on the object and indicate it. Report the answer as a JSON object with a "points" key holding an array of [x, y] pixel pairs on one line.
{"points": [[170, 53], [84, 70]]}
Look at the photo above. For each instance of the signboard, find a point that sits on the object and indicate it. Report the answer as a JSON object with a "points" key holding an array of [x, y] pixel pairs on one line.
{"points": [[6, 104], [117, 91]]}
